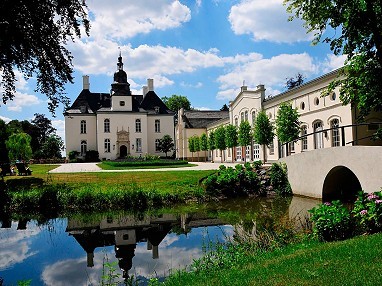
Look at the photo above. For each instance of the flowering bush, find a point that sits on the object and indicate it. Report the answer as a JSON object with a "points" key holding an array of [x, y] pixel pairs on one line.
{"points": [[368, 211], [332, 221]]}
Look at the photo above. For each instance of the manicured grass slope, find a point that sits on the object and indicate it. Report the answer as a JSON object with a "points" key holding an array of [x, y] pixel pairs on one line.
{"points": [[353, 262]]}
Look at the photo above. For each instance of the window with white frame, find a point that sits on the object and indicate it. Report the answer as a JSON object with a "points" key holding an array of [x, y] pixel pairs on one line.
{"points": [[106, 125], [83, 126], [138, 144], [271, 148], [253, 118], [246, 115], [236, 122], [238, 153], [107, 145], [84, 147], [318, 135], [157, 145], [304, 140], [334, 124], [157, 126], [138, 126], [242, 117]]}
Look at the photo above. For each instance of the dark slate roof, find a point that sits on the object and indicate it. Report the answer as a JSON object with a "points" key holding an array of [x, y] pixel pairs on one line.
{"points": [[94, 102], [200, 119], [152, 100]]}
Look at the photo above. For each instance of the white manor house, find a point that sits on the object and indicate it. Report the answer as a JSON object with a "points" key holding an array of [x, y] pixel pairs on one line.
{"points": [[324, 115], [117, 124]]}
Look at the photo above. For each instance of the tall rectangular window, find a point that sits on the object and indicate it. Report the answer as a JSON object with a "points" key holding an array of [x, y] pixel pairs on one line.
{"points": [[157, 126], [83, 147], [83, 126], [238, 153], [107, 145], [334, 124], [157, 145], [271, 148], [304, 140], [138, 126], [106, 125], [138, 144]]}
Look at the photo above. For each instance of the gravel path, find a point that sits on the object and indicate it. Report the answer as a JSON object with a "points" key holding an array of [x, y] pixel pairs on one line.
{"points": [[92, 167]]}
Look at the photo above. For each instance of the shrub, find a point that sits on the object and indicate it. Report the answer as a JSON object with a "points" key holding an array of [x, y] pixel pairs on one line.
{"points": [[73, 155], [92, 156], [332, 221], [368, 212], [279, 179]]}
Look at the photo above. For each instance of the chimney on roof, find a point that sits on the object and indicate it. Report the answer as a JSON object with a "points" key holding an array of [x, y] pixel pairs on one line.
{"points": [[244, 88], [150, 84], [145, 90], [85, 82]]}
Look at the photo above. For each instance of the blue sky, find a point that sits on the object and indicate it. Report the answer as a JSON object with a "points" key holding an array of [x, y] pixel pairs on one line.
{"points": [[200, 49]]}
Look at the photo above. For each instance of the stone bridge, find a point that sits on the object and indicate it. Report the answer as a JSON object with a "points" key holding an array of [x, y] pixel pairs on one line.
{"points": [[335, 173]]}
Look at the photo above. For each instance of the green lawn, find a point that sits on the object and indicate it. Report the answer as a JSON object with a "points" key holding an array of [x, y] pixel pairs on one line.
{"points": [[353, 262], [110, 167]]}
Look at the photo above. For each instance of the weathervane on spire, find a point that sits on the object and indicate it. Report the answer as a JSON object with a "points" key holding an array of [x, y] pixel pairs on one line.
{"points": [[120, 64]]}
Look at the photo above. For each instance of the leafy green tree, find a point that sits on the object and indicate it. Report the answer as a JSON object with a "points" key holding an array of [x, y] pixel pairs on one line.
{"points": [[294, 82], [358, 35], [3, 138], [197, 145], [211, 143], [34, 37], [231, 139], [245, 135], [204, 143], [287, 123], [176, 102], [52, 147], [220, 140], [191, 146], [166, 144], [263, 131], [19, 147], [44, 127]]}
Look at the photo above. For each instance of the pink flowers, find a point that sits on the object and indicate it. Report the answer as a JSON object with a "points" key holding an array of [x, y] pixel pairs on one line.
{"points": [[372, 197], [363, 212]]}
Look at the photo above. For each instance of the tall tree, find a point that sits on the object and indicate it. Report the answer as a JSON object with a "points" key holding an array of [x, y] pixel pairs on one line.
{"points": [[18, 146], [191, 146], [4, 137], [245, 136], [197, 145], [220, 140], [231, 139], [34, 36], [358, 35], [263, 131], [287, 123], [166, 144], [44, 127], [211, 143], [293, 82], [204, 143], [52, 147], [176, 102]]}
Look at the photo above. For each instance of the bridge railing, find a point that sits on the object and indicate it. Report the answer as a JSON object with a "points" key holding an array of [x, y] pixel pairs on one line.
{"points": [[286, 146]]}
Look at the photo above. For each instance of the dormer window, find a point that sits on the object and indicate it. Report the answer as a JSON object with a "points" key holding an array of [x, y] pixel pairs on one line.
{"points": [[83, 109], [156, 108], [121, 103]]}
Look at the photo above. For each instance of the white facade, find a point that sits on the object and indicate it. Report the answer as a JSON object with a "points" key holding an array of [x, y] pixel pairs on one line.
{"points": [[118, 124]]}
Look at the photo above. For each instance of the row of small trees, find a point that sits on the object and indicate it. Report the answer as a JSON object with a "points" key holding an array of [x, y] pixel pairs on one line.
{"points": [[287, 128]]}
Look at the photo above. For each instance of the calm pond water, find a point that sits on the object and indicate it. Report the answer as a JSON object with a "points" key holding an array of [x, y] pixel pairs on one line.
{"points": [[73, 251]]}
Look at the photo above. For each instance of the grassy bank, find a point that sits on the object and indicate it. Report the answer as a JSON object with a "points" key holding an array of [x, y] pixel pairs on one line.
{"points": [[142, 164], [351, 262]]}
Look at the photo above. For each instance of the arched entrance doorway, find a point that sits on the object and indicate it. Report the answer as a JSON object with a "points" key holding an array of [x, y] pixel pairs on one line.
{"points": [[123, 151], [340, 184]]}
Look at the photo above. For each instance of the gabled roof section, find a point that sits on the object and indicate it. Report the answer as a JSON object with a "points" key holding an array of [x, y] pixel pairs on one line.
{"points": [[90, 102], [151, 101], [200, 119]]}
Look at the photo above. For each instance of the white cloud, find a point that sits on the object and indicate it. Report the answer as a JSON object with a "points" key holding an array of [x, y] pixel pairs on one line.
{"points": [[196, 85], [333, 62], [126, 19], [6, 119], [202, 108], [21, 100], [266, 20], [271, 72], [15, 245]]}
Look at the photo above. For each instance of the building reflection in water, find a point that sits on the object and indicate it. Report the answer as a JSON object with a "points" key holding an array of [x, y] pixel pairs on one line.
{"points": [[126, 231]]}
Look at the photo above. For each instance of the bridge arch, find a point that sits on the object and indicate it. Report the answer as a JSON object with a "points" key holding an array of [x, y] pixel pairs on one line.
{"points": [[340, 184]]}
